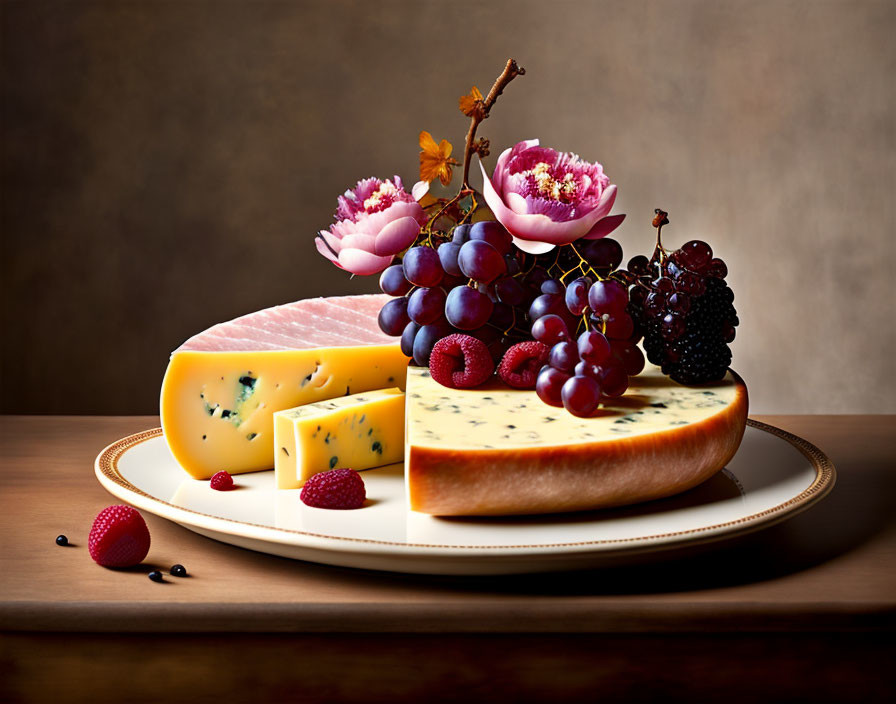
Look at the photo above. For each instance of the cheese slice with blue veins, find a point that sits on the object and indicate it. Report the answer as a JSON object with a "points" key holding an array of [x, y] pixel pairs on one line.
{"points": [[356, 432], [495, 450], [223, 385]]}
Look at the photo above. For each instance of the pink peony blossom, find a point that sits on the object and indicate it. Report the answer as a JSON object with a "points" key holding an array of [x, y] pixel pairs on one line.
{"points": [[547, 198], [374, 222]]}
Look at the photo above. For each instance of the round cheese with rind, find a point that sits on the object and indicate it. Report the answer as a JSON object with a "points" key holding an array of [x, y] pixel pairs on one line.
{"points": [[495, 450]]}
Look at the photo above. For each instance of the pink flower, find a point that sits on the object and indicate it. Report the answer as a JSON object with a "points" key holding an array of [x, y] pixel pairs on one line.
{"points": [[547, 198], [374, 222]]}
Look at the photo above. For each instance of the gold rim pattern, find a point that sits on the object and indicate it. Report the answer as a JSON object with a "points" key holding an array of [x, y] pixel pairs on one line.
{"points": [[825, 476]]}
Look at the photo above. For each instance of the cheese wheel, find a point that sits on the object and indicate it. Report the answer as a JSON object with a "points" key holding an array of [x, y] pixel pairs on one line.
{"points": [[495, 450]]}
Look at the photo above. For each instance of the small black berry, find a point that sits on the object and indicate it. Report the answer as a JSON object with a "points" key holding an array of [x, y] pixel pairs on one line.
{"points": [[178, 571], [156, 576], [61, 540]]}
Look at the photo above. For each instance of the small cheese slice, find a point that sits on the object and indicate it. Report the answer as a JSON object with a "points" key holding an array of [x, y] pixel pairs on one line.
{"points": [[359, 432], [496, 450], [223, 386]]}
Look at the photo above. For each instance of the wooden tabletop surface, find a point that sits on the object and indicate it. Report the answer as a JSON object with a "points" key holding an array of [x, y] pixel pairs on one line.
{"points": [[832, 567]]}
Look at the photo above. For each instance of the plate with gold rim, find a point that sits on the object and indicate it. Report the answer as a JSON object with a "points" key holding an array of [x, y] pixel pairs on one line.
{"points": [[773, 476]]}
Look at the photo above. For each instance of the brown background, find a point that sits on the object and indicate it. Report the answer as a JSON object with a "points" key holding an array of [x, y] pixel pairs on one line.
{"points": [[166, 165]]}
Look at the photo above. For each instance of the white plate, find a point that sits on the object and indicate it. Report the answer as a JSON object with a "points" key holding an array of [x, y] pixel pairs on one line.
{"points": [[773, 476]]}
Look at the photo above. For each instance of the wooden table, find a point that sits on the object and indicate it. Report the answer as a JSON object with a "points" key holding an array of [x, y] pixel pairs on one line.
{"points": [[802, 610]]}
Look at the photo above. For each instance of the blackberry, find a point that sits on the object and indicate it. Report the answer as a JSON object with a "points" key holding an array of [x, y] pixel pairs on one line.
{"points": [[685, 310]]}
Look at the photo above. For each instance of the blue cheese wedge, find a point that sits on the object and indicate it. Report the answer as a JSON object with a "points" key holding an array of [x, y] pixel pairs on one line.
{"points": [[358, 431]]}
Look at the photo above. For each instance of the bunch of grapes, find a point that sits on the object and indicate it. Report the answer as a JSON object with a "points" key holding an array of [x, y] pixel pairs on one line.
{"points": [[471, 284], [595, 356], [685, 307]]}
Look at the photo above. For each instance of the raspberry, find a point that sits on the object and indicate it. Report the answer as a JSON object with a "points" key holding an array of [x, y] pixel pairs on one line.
{"points": [[222, 481], [119, 537], [460, 362], [338, 488], [521, 363]]}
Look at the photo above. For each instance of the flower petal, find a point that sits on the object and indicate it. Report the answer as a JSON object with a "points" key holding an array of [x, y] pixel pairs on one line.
{"points": [[533, 247], [420, 189], [604, 227], [364, 263], [323, 249], [358, 240], [501, 164], [539, 228], [427, 143], [396, 236], [516, 202]]}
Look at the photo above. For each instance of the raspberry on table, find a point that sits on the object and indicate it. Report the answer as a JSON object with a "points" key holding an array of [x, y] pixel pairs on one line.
{"points": [[460, 362], [221, 481], [340, 489], [119, 537], [521, 363]]}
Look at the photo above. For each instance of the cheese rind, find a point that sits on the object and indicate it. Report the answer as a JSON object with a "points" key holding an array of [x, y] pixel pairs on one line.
{"points": [[217, 407], [495, 450], [359, 432]]}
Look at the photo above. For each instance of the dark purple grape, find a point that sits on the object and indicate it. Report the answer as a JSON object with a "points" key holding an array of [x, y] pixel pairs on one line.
{"points": [[407, 339], [392, 281], [448, 252], [486, 333], [672, 270], [678, 303], [553, 286], [603, 255], [393, 316], [639, 265], [584, 368], [577, 295], [426, 305], [550, 329], [619, 326], [510, 291], [691, 284], [673, 327], [580, 395], [564, 356], [467, 309], [461, 234], [627, 355], [422, 266], [607, 297], [487, 290], [593, 347], [544, 304], [663, 284], [502, 316], [513, 264], [654, 304], [480, 261], [426, 338], [498, 348], [613, 381], [637, 294], [694, 255], [717, 268], [494, 233], [536, 277], [549, 384], [449, 282]]}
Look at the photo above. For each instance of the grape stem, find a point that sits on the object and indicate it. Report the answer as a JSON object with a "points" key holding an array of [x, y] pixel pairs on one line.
{"points": [[511, 71]]}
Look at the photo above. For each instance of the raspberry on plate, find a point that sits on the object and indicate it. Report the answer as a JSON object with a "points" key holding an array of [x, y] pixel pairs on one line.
{"points": [[460, 362], [119, 537], [521, 364], [341, 489], [221, 481]]}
